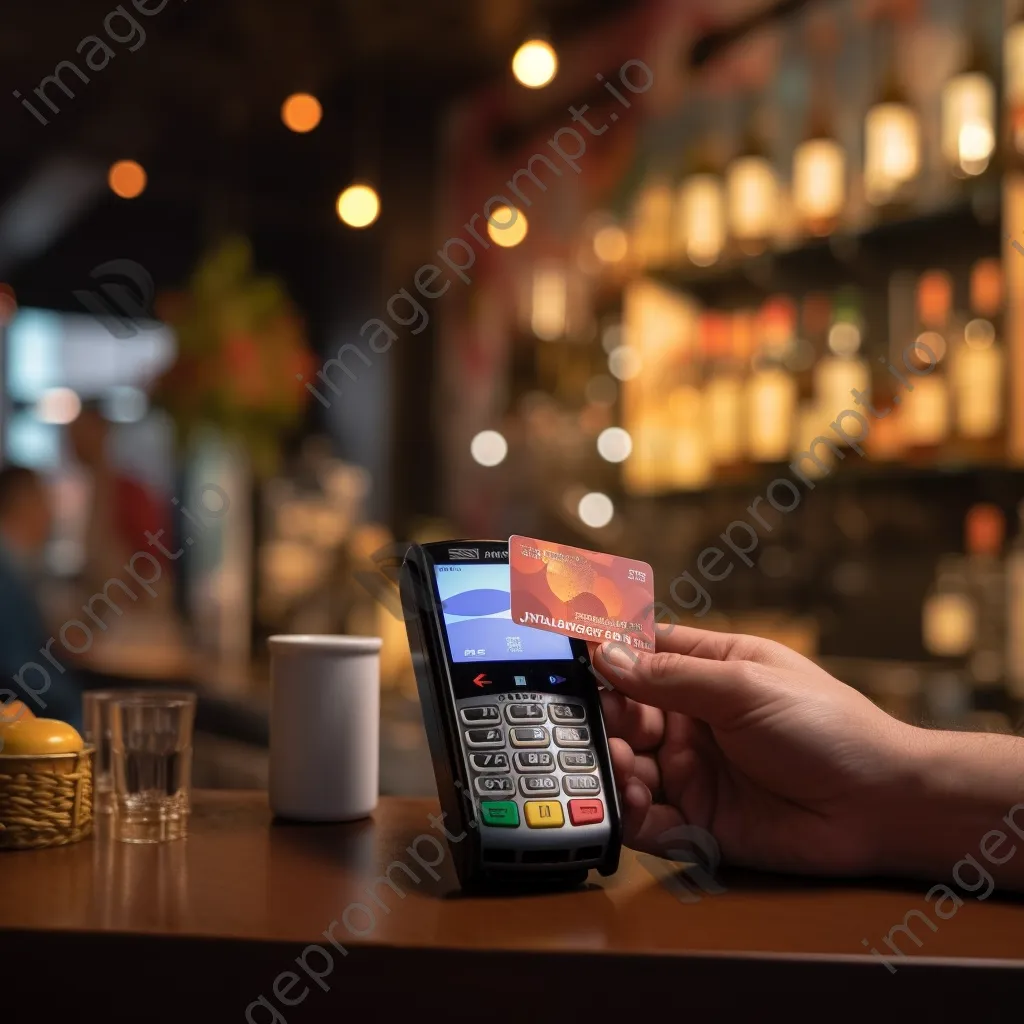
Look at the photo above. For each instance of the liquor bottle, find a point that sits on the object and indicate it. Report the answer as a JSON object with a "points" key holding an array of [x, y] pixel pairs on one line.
{"points": [[892, 141], [985, 530], [978, 370], [819, 174], [752, 191], [926, 403], [1013, 70], [969, 112], [652, 223], [843, 373], [723, 392], [699, 228], [949, 615], [1015, 614], [771, 391]]}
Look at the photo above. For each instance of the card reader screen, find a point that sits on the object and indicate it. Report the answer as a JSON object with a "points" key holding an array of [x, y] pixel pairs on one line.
{"points": [[477, 607]]}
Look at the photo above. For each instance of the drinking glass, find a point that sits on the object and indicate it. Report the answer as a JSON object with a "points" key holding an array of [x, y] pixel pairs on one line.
{"points": [[151, 760], [96, 721]]}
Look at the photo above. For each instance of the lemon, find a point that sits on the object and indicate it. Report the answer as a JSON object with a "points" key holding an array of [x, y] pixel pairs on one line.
{"points": [[39, 736]]}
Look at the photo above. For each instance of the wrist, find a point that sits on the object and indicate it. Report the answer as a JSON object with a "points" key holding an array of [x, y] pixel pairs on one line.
{"points": [[947, 793]]}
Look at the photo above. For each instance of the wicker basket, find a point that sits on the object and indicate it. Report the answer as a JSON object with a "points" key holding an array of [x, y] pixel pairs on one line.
{"points": [[45, 799]]}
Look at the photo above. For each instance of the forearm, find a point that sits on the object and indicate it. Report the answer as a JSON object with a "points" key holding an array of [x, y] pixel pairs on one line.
{"points": [[960, 795]]}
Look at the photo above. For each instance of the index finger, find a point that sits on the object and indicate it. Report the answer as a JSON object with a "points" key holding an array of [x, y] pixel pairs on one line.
{"points": [[641, 726]]}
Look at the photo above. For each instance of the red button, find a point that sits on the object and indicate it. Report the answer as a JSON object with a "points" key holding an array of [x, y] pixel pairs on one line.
{"points": [[586, 812]]}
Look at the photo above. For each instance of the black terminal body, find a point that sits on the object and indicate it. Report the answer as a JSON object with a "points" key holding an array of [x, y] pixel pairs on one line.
{"points": [[514, 723]]}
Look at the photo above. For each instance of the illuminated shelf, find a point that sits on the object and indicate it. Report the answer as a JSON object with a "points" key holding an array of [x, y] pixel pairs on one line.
{"points": [[865, 258]]}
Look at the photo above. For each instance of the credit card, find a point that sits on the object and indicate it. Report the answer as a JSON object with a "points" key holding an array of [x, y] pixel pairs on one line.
{"points": [[585, 594]]}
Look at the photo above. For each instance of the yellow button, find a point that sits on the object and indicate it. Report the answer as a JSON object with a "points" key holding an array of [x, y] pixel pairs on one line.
{"points": [[544, 814]]}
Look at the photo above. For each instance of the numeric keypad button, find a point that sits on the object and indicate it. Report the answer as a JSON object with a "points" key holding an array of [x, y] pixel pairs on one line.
{"points": [[517, 713], [577, 760], [481, 713], [572, 736], [538, 785], [497, 762], [486, 738], [530, 736], [567, 714], [533, 761], [491, 785], [581, 785]]}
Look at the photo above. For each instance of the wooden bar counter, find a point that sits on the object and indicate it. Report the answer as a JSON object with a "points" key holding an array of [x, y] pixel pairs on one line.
{"points": [[210, 929]]}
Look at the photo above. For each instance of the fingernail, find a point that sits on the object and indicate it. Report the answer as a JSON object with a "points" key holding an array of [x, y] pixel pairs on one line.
{"points": [[618, 657]]}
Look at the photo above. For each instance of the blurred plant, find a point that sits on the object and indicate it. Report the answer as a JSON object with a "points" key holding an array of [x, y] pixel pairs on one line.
{"points": [[241, 349]]}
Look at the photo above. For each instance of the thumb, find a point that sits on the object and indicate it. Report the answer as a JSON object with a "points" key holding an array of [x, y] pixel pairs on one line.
{"points": [[717, 692]]}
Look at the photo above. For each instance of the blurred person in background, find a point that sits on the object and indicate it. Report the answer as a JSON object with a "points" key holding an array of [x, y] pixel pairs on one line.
{"points": [[26, 517], [121, 510]]}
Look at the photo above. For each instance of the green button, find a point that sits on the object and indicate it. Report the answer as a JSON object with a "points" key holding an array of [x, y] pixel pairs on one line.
{"points": [[499, 812]]}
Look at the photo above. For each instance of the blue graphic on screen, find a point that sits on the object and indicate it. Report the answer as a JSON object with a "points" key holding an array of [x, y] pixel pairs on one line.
{"points": [[477, 610]]}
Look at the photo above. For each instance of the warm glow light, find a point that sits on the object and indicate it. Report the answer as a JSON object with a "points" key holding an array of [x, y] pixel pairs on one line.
{"points": [[127, 179], [753, 194], [979, 334], [624, 363], [534, 64], [507, 226], [968, 122], [844, 338], [1013, 62], [596, 510], [611, 244], [652, 223], [819, 182], [301, 112], [892, 150], [977, 143], [358, 206], [488, 448], [550, 299], [614, 444], [700, 222], [58, 406]]}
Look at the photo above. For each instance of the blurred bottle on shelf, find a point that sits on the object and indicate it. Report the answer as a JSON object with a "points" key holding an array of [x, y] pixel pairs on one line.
{"points": [[651, 242], [978, 370], [752, 190], [843, 371], [985, 531], [699, 224], [892, 139], [723, 391], [1013, 72], [771, 392], [819, 169], [926, 408]]}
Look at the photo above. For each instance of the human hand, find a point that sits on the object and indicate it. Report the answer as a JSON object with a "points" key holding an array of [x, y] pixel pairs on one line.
{"points": [[788, 768]]}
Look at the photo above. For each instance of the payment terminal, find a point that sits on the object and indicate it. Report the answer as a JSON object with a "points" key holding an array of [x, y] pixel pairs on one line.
{"points": [[514, 724]]}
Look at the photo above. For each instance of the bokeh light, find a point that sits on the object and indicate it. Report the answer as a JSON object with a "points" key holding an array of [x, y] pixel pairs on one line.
{"points": [[358, 206], [596, 510], [624, 363], [507, 226], [614, 444], [535, 64], [127, 179], [488, 448], [301, 112]]}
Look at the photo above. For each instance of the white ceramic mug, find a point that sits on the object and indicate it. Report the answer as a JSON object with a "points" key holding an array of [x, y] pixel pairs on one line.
{"points": [[324, 726]]}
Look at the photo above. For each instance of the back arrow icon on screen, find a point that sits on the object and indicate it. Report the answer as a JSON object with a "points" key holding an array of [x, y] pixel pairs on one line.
{"points": [[481, 681]]}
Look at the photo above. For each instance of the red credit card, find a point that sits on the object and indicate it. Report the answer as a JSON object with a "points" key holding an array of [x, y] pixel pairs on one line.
{"points": [[583, 594]]}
